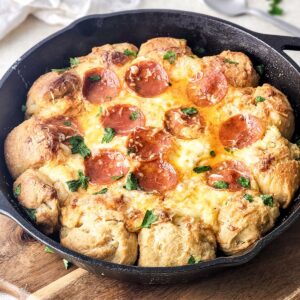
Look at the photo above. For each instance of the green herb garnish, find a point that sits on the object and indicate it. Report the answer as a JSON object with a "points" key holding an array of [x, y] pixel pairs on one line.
{"points": [[74, 61], [60, 70], [221, 184], [149, 219], [48, 250], [192, 260], [101, 192], [17, 190], [67, 264], [117, 177], [109, 134], [248, 197], [67, 123], [132, 183], [275, 9], [31, 213], [23, 108], [228, 150], [267, 200], [170, 56], [259, 99], [229, 61], [94, 77], [244, 182], [212, 153], [260, 69], [134, 115], [202, 169], [99, 112], [78, 146], [128, 52], [82, 181], [189, 111]]}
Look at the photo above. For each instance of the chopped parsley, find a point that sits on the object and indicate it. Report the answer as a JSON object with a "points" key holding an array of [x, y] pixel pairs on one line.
{"points": [[267, 200], [202, 169], [149, 219], [99, 112], [17, 190], [221, 184], [228, 150], [192, 260], [60, 70], [74, 61], [48, 250], [23, 108], [67, 123], [82, 181], [189, 111], [260, 69], [117, 177], [134, 115], [109, 134], [248, 197], [101, 192], [128, 52], [259, 99], [275, 9], [78, 146], [94, 77], [212, 153], [170, 56], [31, 213], [67, 264], [132, 183], [199, 51], [229, 61], [244, 182]]}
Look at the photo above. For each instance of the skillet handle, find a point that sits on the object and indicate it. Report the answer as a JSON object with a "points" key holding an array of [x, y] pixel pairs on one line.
{"points": [[279, 42], [6, 208]]}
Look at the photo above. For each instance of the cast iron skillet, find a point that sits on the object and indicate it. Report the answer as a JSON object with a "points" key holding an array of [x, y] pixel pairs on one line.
{"points": [[136, 27]]}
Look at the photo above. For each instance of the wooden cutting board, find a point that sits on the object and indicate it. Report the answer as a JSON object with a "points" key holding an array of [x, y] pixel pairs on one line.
{"points": [[26, 270]]}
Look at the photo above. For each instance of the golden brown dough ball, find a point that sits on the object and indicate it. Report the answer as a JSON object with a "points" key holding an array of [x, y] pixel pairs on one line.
{"points": [[36, 193], [29, 145], [236, 66], [167, 244], [276, 108], [93, 229], [242, 222], [60, 91], [275, 164]]}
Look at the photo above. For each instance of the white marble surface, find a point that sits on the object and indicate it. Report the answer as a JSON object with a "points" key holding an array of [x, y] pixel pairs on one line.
{"points": [[33, 30]]}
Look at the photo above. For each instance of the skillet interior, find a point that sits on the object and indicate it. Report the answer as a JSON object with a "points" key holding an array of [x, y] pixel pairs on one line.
{"points": [[136, 27]]}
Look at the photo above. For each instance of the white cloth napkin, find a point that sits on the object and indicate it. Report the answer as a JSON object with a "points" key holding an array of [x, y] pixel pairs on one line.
{"points": [[61, 12]]}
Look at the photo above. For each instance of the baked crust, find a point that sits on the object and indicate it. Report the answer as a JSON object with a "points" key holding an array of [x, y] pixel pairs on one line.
{"points": [[37, 193], [172, 243], [243, 222], [155, 129]]}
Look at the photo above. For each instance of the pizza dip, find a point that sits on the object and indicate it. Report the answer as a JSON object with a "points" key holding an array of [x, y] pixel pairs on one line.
{"points": [[154, 156]]}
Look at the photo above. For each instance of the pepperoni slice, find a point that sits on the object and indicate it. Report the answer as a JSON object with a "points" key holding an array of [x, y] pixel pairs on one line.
{"points": [[106, 167], [118, 58], [184, 125], [230, 172], [147, 78], [156, 176], [123, 118], [148, 143], [100, 85], [207, 89], [241, 131]]}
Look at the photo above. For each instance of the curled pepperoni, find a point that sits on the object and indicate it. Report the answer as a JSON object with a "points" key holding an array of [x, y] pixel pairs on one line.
{"points": [[148, 143], [184, 125], [123, 118], [118, 58], [106, 167], [147, 79], [100, 85], [229, 172], [208, 88], [241, 131], [156, 176]]}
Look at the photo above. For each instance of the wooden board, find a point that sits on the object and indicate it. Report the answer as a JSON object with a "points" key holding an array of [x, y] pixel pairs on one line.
{"points": [[274, 274]]}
